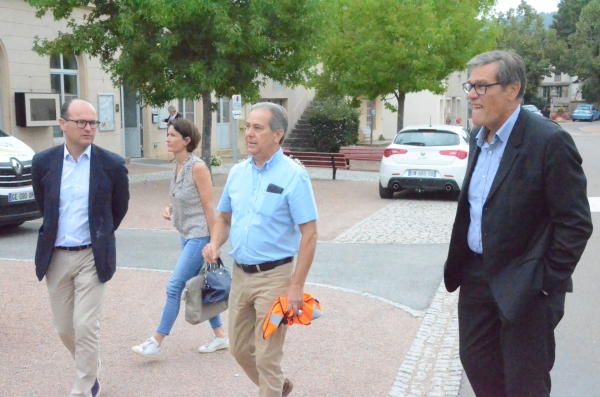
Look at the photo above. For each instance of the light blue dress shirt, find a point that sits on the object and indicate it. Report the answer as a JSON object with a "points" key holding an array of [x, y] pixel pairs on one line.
{"points": [[264, 224], [484, 174], [73, 219]]}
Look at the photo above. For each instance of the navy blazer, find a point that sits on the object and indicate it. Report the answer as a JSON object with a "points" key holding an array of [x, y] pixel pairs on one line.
{"points": [[536, 219], [108, 203]]}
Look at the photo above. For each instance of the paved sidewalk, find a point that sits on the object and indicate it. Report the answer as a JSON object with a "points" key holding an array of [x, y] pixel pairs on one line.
{"points": [[365, 345]]}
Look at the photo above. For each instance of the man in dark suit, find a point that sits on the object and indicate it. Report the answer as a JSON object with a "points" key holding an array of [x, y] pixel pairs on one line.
{"points": [[173, 114], [521, 226], [82, 192]]}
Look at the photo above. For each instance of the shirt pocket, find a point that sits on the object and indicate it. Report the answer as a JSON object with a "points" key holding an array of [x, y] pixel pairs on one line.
{"points": [[270, 203]]}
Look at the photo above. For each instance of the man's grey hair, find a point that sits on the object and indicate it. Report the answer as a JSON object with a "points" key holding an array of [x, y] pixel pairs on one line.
{"points": [[511, 67], [171, 108], [279, 118]]}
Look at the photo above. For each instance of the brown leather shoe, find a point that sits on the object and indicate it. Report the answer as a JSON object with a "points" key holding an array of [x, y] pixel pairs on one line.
{"points": [[287, 387]]}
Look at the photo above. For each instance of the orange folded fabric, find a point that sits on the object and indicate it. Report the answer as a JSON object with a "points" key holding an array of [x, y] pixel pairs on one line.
{"points": [[280, 315]]}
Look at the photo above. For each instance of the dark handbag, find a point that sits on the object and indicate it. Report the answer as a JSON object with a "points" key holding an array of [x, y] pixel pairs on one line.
{"points": [[196, 311], [217, 283]]}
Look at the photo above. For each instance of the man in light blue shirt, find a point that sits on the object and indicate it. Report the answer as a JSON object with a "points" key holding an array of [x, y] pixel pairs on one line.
{"points": [[268, 211], [483, 175]]}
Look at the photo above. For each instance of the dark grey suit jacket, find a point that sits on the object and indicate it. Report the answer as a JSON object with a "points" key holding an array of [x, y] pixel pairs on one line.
{"points": [[108, 203], [536, 219]]}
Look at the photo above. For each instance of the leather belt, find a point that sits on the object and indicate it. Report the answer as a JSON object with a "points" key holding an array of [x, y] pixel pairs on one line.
{"points": [[77, 248], [263, 267]]}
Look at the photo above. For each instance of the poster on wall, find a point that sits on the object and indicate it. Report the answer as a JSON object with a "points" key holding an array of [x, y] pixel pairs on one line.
{"points": [[106, 112]]}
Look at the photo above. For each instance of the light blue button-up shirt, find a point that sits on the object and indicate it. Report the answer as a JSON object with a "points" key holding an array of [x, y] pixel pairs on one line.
{"points": [[73, 219], [264, 223], [484, 174]]}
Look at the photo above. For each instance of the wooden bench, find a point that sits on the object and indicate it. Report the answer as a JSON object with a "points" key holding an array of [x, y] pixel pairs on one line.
{"points": [[363, 153], [321, 160]]}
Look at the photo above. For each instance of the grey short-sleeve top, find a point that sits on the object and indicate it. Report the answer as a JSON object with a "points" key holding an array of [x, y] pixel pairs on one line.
{"points": [[188, 214]]}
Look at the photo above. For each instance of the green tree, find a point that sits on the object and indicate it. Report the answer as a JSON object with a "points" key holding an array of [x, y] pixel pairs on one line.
{"points": [[585, 50], [189, 49], [565, 19], [523, 31], [390, 48]]}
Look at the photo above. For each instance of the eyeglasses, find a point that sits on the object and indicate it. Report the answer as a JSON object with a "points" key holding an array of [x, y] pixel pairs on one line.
{"points": [[82, 123], [480, 89]]}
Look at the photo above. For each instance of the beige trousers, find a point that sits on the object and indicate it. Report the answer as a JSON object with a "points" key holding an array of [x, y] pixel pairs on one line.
{"points": [[76, 297], [250, 300]]}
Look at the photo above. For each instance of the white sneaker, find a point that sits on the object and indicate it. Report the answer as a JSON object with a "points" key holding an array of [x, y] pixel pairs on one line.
{"points": [[214, 344], [148, 349]]}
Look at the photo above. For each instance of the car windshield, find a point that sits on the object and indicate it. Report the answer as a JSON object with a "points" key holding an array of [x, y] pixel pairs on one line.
{"points": [[584, 107], [3, 134], [427, 138]]}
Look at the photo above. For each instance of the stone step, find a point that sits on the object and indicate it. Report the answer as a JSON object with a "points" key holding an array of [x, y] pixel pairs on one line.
{"points": [[300, 137], [300, 149]]}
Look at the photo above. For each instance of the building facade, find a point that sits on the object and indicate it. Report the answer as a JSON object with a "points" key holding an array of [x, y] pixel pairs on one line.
{"points": [[422, 107], [128, 127], [560, 89]]}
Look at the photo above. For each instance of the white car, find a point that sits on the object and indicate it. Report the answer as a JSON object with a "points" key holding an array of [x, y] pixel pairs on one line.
{"points": [[17, 203], [425, 157]]}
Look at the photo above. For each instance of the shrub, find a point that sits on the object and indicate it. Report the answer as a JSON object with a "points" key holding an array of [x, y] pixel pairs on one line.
{"points": [[215, 161], [333, 124]]}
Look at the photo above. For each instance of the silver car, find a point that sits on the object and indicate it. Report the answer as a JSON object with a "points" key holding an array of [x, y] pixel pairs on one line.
{"points": [[533, 109]]}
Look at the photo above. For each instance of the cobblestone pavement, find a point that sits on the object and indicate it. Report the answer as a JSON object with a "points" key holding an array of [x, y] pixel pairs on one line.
{"points": [[405, 222], [432, 365]]}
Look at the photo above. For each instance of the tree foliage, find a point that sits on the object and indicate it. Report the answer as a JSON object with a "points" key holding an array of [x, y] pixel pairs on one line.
{"points": [[585, 50], [523, 31], [390, 48], [188, 49], [565, 19]]}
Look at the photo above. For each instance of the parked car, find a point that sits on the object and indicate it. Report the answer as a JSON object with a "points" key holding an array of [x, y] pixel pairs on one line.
{"points": [[586, 111], [425, 158], [532, 109], [17, 203]]}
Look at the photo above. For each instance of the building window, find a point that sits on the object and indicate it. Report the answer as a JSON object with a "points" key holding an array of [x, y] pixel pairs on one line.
{"points": [[222, 110], [557, 77], [370, 116], [187, 109], [64, 80]]}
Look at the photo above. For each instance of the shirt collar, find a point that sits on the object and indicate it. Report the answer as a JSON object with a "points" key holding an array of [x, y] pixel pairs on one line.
{"points": [[67, 155], [272, 161], [504, 132]]}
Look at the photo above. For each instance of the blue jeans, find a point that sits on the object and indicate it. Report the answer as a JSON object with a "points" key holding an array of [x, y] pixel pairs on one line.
{"points": [[189, 264]]}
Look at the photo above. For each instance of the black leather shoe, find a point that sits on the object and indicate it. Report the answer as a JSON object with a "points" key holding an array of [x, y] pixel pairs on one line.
{"points": [[287, 387], [96, 389]]}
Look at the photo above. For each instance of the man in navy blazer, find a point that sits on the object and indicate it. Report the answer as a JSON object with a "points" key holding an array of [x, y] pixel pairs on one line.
{"points": [[522, 223], [82, 192]]}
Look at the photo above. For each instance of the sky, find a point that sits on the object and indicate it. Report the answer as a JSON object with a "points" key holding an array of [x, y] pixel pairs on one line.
{"points": [[539, 5]]}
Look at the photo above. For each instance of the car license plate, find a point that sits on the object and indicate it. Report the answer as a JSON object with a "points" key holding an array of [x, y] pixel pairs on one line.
{"points": [[430, 174], [21, 196]]}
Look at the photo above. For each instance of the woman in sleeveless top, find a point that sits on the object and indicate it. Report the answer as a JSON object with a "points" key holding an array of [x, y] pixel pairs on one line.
{"points": [[192, 214]]}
